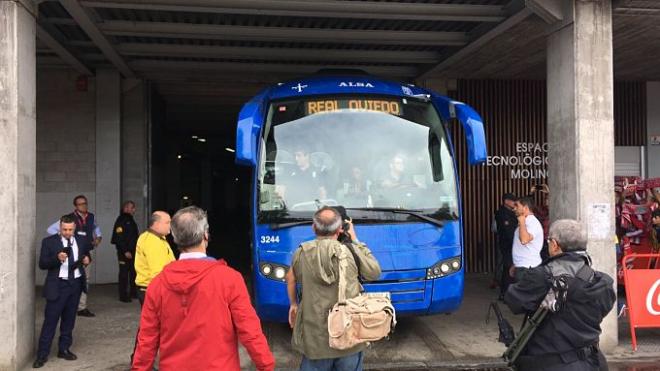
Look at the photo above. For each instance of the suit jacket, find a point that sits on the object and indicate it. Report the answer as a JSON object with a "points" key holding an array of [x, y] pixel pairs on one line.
{"points": [[50, 247]]}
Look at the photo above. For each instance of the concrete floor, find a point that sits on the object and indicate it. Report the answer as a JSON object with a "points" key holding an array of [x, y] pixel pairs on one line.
{"points": [[462, 340]]}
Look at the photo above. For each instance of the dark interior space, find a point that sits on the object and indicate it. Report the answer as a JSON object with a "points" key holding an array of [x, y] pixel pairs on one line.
{"points": [[192, 163]]}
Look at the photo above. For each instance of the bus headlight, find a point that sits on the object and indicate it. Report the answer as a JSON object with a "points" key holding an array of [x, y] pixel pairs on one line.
{"points": [[279, 273], [444, 268], [273, 271]]}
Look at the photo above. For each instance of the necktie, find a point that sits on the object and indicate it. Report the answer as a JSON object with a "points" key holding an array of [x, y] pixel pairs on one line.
{"points": [[69, 251]]}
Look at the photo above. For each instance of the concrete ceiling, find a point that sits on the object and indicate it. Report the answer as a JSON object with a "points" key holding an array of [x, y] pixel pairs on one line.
{"points": [[225, 50]]}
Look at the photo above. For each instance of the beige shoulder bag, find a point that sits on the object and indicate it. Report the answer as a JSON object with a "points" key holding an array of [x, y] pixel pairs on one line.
{"points": [[364, 318]]}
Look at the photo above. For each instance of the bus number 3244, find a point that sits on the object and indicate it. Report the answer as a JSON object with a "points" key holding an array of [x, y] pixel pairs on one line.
{"points": [[270, 239]]}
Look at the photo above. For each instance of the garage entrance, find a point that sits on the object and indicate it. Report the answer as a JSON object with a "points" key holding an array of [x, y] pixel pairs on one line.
{"points": [[192, 163]]}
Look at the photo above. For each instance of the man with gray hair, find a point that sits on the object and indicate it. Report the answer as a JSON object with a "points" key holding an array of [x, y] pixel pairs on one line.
{"points": [[197, 309], [315, 267], [578, 298]]}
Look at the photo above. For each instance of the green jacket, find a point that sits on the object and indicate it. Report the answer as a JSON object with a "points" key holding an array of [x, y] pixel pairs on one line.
{"points": [[315, 267]]}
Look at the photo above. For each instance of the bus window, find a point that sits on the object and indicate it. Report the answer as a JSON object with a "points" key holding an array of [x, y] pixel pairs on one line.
{"points": [[357, 152]]}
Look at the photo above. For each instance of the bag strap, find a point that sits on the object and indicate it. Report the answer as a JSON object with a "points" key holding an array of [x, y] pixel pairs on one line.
{"points": [[356, 258], [342, 263], [585, 273]]}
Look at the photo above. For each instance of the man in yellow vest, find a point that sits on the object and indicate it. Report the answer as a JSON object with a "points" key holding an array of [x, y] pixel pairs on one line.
{"points": [[153, 252]]}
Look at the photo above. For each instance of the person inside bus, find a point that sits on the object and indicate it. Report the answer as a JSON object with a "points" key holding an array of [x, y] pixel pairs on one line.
{"points": [[396, 176], [305, 183], [356, 188]]}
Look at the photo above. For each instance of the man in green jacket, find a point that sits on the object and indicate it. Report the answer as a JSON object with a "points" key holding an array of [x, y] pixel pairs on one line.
{"points": [[315, 267]]}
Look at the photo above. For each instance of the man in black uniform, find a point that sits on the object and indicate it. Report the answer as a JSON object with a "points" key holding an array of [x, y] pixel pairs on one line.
{"points": [[506, 223], [578, 299], [305, 182], [124, 237]]}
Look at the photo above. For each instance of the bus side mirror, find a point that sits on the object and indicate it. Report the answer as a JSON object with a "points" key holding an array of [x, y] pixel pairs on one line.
{"points": [[472, 123], [250, 121]]}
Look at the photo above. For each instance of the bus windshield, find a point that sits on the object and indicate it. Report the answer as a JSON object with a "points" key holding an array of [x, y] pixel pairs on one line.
{"points": [[363, 152]]}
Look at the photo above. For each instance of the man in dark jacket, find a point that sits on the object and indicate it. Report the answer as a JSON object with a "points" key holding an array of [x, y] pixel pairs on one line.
{"points": [[124, 237], [506, 223], [86, 229], [567, 339], [64, 256]]}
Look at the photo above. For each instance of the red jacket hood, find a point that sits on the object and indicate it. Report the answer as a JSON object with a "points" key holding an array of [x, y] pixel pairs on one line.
{"points": [[181, 276]]}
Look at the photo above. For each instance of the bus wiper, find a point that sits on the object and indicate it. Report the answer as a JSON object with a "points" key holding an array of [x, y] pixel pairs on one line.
{"points": [[416, 213], [276, 226]]}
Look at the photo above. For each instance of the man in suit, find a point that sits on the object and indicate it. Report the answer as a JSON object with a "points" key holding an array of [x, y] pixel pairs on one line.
{"points": [[88, 230], [64, 256]]}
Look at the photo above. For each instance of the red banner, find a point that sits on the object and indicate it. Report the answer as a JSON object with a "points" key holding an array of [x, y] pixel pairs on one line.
{"points": [[642, 293]]}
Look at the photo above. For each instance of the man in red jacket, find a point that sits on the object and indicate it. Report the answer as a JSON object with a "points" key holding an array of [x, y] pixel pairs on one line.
{"points": [[197, 309]]}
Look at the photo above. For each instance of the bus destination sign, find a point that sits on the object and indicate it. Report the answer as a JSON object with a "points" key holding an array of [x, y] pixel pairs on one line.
{"points": [[329, 105]]}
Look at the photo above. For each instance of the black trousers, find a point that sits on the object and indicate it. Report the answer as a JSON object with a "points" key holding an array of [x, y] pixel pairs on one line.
{"points": [[127, 288], [64, 308]]}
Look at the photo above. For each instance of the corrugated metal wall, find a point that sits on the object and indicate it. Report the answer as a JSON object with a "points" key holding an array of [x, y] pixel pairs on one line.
{"points": [[630, 113], [514, 112]]}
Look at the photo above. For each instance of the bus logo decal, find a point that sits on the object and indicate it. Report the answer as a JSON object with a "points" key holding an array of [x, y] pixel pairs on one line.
{"points": [[351, 84], [299, 87]]}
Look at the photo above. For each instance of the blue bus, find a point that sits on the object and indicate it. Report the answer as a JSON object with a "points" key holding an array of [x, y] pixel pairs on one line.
{"points": [[380, 149]]}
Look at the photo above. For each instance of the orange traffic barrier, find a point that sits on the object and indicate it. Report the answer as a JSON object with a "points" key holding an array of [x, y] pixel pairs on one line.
{"points": [[642, 293]]}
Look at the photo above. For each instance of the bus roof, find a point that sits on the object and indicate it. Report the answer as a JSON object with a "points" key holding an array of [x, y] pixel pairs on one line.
{"points": [[339, 84]]}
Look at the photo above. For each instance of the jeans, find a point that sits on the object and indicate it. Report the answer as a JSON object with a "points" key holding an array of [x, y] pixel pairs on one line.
{"points": [[352, 362]]}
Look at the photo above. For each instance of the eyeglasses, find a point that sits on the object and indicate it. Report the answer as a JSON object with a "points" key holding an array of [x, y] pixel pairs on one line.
{"points": [[81, 203]]}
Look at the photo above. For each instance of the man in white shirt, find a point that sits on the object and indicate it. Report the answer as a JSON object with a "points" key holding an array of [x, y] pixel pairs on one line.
{"points": [[527, 240], [64, 256]]}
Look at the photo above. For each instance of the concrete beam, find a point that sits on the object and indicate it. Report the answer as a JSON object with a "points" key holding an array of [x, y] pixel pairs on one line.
{"points": [[287, 54], [581, 134], [477, 43], [551, 11], [288, 34], [59, 20], [17, 182], [79, 14], [319, 8], [62, 52], [149, 65]]}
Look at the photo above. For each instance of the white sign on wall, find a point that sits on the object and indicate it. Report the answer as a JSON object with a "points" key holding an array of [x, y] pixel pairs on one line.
{"points": [[529, 162]]}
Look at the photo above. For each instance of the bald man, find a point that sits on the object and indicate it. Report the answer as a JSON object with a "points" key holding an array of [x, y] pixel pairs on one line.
{"points": [[152, 252], [314, 267]]}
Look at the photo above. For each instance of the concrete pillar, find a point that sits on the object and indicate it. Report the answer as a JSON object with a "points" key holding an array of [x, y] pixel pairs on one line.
{"points": [[652, 129], [581, 132], [17, 181], [134, 144], [108, 170]]}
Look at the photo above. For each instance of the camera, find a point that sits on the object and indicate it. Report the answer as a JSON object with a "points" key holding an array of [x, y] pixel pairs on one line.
{"points": [[344, 237]]}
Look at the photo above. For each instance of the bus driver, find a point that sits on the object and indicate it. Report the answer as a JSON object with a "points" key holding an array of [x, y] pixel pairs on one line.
{"points": [[305, 182]]}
